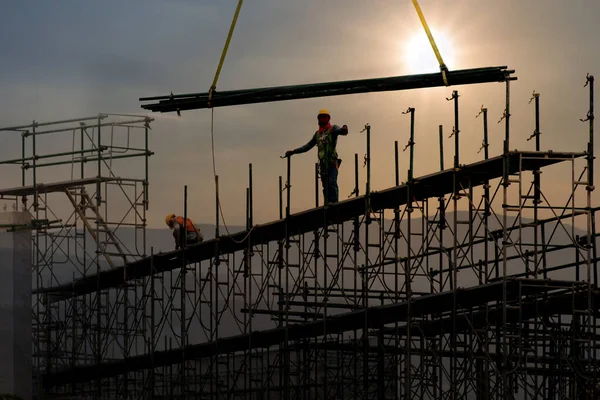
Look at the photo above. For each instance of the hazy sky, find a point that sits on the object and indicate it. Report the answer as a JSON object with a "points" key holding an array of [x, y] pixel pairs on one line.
{"points": [[66, 59]]}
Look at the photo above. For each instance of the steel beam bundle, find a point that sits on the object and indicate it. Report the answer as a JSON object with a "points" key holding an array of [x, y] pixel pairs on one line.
{"points": [[194, 101]]}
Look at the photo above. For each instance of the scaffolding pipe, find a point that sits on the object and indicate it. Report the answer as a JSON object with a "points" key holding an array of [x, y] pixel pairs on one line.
{"points": [[411, 142], [441, 148]]}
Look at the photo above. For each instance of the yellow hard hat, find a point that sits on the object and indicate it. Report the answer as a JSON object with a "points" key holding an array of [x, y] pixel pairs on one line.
{"points": [[168, 219], [324, 111]]}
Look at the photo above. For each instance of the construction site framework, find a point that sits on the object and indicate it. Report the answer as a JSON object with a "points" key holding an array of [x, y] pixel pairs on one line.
{"points": [[464, 293]]}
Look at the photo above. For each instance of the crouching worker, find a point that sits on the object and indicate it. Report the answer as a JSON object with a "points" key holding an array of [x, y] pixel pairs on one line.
{"points": [[192, 234]]}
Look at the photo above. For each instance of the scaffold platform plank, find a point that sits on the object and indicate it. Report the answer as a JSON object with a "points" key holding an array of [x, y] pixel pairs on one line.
{"points": [[373, 318], [434, 185], [53, 187], [562, 302]]}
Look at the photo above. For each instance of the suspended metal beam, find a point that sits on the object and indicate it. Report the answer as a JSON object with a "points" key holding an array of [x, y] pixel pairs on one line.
{"points": [[194, 101]]}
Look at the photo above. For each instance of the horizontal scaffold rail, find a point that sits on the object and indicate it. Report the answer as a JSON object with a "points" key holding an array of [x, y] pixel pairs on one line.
{"points": [[54, 186], [373, 318], [194, 101], [434, 185]]}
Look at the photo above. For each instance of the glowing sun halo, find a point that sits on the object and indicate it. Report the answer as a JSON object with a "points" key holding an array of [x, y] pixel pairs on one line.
{"points": [[419, 56]]}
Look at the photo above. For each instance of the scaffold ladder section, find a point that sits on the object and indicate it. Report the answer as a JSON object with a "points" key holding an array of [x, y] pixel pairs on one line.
{"points": [[85, 203]]}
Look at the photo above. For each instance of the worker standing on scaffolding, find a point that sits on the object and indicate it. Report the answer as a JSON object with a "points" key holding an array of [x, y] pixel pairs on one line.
{"points": [[192, 233], [325, 138]]}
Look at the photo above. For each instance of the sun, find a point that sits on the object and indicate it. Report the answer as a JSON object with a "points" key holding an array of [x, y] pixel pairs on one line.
{"points": [[418, 55]]}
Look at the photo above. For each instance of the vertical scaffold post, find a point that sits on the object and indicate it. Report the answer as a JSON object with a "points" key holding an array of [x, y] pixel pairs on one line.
{"points": [[507, 114], [280, 243], [397, 384], [280, 197], [316, 231], [316, 184], [590, 186], [441, 148], [152, 345], [506, 183], [408, 344], [146, 177], [98, 197], [326, 258], [456, 190], [396, 164], [288, 186], [250, 218], [408, 259], [284, 260], [591, 322], [591, 140], [247, 208], [483, 266], [250, 197], [99, 155], [396, 209], [355, 264], [284, 268], [396, 363], [356, 239], [536, 184], [23, 162], [281, 240], [537, 121], [368, 187], [281, 262], [486, 145], [216, 207], [325, 180], [486, 193], [212, 276], [356, 187], [411, 142], [182, 278], [184, 216], [284, 320], [365, 272], [456, 130], [442, 217], [356, 231]]}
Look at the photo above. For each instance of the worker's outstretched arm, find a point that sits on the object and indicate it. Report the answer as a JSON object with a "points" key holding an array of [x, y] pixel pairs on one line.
{"points": [[339, 131], [303, 149]]}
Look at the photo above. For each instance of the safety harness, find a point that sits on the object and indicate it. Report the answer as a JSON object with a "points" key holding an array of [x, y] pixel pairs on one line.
{"points": [[326, 144]]}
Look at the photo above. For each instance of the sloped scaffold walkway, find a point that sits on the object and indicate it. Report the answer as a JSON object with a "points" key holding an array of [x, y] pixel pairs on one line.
{"points": [[435, 185]]}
